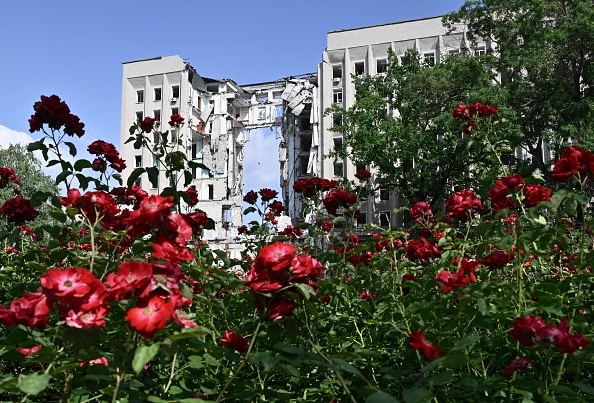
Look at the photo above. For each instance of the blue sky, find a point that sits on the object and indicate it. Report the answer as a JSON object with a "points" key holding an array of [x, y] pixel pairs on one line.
{"points": [[75, 49]]}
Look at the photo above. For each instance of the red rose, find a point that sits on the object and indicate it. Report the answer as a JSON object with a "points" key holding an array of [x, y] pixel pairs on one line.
{"points": [[147, 124], [534, 194], [419, 342], [461, 204], [574, 159], [268, 194], [151, 316], [421, 249], [517, 364], [512, 181], [363, 174], [176, 120], [251, 197], [18, 210], [420, 211], [234, 341]]}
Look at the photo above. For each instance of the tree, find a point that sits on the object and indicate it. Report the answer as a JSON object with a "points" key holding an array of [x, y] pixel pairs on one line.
{"points": [[545, 53], [28, 169], [402, 125]]}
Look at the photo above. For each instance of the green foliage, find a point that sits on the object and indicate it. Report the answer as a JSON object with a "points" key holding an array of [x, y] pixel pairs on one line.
{"points": [[402, 125], [544, 54]]}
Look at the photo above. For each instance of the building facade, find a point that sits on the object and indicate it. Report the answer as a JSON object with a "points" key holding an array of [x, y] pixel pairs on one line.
{"points": [[219, 115]]}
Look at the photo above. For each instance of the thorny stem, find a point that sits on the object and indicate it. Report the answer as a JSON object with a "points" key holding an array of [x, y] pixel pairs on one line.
{"points": [[243, 363], [338, 376]]}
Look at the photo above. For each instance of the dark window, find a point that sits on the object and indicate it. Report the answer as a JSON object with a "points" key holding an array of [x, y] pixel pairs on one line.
{"points": [[359, 68], [382, 66], [140, 96], [362, 219], [429, 59], [175, 91], [210, 192], [157, 94], [384, 194], [337, 71], [138, 160], [338, 169], [384, 218], [139, 116]]}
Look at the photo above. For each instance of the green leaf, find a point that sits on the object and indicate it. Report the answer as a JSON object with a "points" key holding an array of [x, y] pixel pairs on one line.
{"points": [[287, 348], [306, 290], [249, 210], [62, 176], [71, 148], [176, 160], [267, 360], [34, 383], [584, 387], [134, 175], [417, 395], [153, 175], [466, 342], [380, 397], [143, 355], [482, 306], [37, 145], [187, 178], [83, 180], [442, 378], [193, 164], [82, 164], [346, 366]]}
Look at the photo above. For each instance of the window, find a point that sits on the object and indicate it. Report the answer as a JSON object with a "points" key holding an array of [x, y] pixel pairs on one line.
{"points": [[261, 113], [360, 68], [196, 149], [337, 96], [173, 132], [305, 143], [303, 166], [173, 180], [382, 66], [157, 94], [337, 119], [156, 139], [157, 114], [277, 94], [175, 91], [193, 173], [337, 143], [479, 51], [337, 72], [262, 97], [174, 111], [138, 161], [384, 194], [214, 88], [155, 161], [453, 51], [338, 169], [140, 96], [429, 59], [384, 218], [139, 116], [362, 219], [210, 192]]}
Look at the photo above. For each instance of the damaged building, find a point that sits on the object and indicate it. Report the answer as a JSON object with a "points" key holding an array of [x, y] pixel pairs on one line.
{"points": [[219, 115]]}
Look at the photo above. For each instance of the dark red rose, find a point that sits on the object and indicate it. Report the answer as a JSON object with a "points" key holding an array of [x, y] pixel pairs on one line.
{"points": [[363, 174], [517, 365], [234, 341], [268, 194], [147, 124], [421, 249], [251, 197], [534, 194], [421, 210], [512, 181], [18, 210], [176, 120], [461, 204]]}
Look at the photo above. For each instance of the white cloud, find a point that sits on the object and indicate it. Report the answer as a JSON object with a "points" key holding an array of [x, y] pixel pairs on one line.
{"points": [[9, 136]]}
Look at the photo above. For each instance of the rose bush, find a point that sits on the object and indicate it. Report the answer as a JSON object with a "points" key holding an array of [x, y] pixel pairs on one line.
{"points": [[121, 300]]}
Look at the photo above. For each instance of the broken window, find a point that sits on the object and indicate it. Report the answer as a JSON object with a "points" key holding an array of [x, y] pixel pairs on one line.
{"points": [[157, 94], [384, 194], [337, 72], [337, 119], [140, 96], [337, 96], [196, 148], [262, 113], [263, 97], [138, 161], [139, 116], [303, 166], [382, 66], [212, 88], [175, 91], [337, 143], [384, 218], [360, 68], [362, 219], [277, 94], [226, 217], [429, 59], [305, 141]]}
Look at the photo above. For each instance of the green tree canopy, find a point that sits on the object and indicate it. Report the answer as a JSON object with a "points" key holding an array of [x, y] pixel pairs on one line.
{"points": [[544, 50], [28, 169], [402, 125]]}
